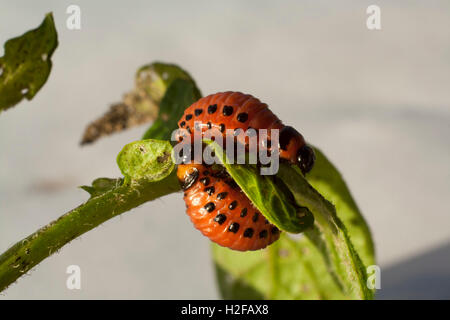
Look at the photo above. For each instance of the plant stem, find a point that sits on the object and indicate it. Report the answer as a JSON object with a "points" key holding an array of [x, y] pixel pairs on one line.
{"points": [[27, 253]]}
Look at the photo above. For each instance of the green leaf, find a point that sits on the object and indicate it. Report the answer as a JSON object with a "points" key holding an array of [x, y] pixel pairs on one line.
{"points": [[26, 65], [157, 77], [180, 95], [102, 185], [330, 236], [326, 179], [323, 265], [289, 269], [267, 194], [108, 200], [146, 159]]}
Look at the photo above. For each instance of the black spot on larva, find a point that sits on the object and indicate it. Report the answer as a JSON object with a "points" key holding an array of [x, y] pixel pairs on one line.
{"points": [[206, 173], [205, 181], [227, 110], [220, 218], [182, 124], [233, 205], [222, 127], [248, 233], [210, 190], [210, 206], [232, 183], [306, 158], [190, 179], [234, 227], [242, 117], [275, 230], [266, 221], [286, 134], [222, 195], [209, 125], [212, 108], [188, 117], [186, 157], [263, 234], [198, 112], [255, 217], [243, 212]]}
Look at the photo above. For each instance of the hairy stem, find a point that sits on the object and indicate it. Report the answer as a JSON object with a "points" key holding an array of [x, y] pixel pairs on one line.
{"points": [[27, 253]]}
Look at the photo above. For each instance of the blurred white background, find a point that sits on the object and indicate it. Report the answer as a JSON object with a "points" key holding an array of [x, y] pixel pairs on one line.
{"points": [[377, 103]]}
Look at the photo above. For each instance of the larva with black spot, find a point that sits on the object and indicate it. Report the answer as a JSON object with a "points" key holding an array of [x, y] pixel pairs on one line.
{"points": [[216, 205], [235, 110], [221, 211]]}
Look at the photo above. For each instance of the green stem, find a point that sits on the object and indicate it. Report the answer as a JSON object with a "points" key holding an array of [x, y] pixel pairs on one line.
{"points": [[27, 253]]}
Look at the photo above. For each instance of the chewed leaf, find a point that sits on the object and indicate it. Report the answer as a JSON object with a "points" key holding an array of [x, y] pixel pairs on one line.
{"points": [[180, 95], [146, 159], [267, 194], [26, 65], [102, 185]]}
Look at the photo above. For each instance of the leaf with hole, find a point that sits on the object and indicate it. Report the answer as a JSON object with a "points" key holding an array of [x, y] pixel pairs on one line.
{"points": [[146, 159], [26, 64]]}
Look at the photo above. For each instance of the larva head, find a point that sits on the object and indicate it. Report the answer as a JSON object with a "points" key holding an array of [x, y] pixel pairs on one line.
{"points": [[294, 148], [188, 174], [306, 158]]}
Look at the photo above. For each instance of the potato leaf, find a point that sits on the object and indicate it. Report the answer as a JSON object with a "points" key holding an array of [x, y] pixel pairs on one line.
{"points": [[180, 95], [26, 65], [326, 179], [322, 266], [156, 78], [146, 159], [290, 268]]}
